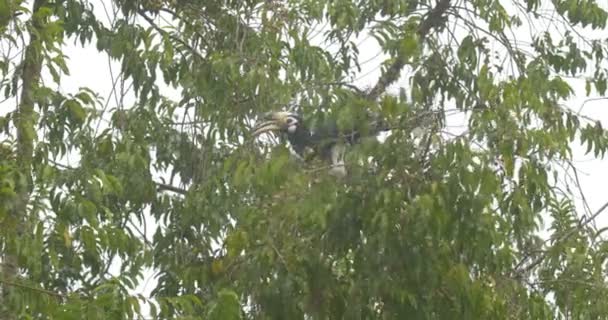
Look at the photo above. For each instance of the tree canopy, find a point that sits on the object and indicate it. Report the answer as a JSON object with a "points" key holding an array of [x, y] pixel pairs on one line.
{"points": [[161, 178]]}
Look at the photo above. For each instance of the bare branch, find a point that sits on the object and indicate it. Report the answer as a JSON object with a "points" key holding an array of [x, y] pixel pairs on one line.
{"points": [[167, 187]]}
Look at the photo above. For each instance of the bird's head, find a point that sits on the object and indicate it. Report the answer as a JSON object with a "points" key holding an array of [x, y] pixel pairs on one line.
{"points": [[281, 121]]}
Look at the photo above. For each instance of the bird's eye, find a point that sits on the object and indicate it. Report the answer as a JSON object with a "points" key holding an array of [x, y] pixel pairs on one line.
{"points": [[290, 121]]}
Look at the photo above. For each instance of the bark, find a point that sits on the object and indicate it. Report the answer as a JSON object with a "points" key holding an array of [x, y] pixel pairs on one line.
{"points": [[26, 134]]}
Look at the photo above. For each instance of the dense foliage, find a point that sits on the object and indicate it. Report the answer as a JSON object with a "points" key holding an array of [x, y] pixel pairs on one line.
{"points": [[429, 223]]}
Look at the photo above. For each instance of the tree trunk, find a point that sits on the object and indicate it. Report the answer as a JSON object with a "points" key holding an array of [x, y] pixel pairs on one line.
{"points": [[26, 135]]}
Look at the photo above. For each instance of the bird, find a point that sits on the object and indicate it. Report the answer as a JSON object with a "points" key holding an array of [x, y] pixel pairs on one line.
{"points": [[324, 141]]}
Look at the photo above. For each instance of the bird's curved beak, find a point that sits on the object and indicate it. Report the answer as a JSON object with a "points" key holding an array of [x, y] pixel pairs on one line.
{"points": [[273, 121], [266, 126]]}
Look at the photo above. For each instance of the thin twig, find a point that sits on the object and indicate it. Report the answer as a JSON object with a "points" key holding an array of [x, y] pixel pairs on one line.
{"points": [[20, 285], [589, 100], [580, 189], [159, 185], [583, 222], [171, 36], [433, 19]]}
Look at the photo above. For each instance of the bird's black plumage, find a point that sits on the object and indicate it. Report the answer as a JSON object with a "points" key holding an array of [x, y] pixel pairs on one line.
{"points": [[324, 141]]}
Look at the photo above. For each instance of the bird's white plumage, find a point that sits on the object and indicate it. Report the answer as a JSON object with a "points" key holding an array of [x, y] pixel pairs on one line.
{"points": [[338, 168]]}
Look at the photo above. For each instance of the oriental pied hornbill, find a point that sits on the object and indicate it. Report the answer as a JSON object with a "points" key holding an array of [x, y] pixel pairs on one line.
{"points": [[324, 141]]}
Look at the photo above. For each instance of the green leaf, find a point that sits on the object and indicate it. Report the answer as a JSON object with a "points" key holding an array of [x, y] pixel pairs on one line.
{"points": [[76, 111], [226, 306]]}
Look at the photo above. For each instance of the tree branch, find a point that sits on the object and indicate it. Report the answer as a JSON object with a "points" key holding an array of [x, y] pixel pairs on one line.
{"points": [[167, 187], [159, 185], [520, 269], [25, 124], [434, 19], [20, 285]]}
